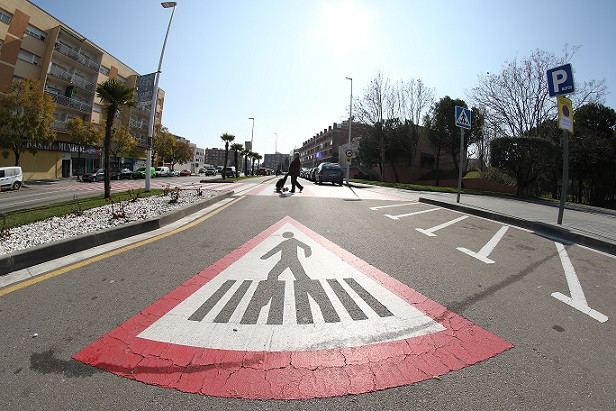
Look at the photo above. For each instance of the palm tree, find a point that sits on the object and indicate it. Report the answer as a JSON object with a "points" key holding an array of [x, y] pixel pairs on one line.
{"points": [[236, 147], [245, 154], [253, 156], [114, 95], [227, 138]]}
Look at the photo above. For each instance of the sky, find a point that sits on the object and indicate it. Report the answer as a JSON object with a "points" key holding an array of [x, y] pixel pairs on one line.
{"points": [[285, 62]]}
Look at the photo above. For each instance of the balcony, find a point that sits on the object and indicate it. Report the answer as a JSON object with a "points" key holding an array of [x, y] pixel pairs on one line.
{"points": [[71, 78], [70, 102], [61, 48]]}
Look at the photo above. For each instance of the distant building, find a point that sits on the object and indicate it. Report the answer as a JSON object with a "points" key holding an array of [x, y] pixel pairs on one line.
{"points": [[275, 161]]}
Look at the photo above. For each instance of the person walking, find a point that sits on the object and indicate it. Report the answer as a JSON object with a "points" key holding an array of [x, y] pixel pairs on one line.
{"points": [[294, 169]]}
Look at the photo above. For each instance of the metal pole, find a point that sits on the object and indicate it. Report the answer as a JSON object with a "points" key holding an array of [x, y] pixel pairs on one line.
{"points": [[148, 160], [460, 166], [252, 135], [565, 183], [348, 167]]}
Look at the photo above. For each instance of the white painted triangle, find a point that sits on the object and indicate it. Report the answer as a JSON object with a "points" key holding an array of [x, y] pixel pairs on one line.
{"points": [[401, 320]]}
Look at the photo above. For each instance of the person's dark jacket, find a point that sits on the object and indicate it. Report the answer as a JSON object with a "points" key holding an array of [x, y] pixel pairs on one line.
{"points": [[294, 167]]}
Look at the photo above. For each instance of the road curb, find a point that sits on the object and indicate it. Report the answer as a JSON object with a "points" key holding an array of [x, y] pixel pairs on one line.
{"points": [[538, 227], [47, 252]]}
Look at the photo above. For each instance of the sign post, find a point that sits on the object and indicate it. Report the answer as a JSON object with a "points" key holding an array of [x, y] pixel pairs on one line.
{"points": [[560, 82], [463, 120]]}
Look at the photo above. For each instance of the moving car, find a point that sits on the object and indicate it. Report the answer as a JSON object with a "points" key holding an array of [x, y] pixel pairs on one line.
{"points": [[98, 175], [11, 177], [210, 172], [230, 172], [140, 172], [328, 172]]}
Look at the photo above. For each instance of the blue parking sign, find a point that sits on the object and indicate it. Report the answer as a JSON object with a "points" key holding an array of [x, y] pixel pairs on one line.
{"points": [[463, 117], [560, 80]]}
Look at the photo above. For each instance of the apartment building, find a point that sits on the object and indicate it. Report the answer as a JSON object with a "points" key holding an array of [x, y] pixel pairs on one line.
{"points": [[69, 66], [326, 145]]}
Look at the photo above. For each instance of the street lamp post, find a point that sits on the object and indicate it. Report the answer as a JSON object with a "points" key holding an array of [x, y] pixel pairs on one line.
{"points": [[148, 161], [252, 135], [348, 166]]}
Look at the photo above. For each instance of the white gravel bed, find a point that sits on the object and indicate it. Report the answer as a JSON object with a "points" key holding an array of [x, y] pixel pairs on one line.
{"points": [[94, 219]]}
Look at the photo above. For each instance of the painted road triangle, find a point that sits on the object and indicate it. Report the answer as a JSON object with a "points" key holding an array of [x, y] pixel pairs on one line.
{"points": [[290, 315]]}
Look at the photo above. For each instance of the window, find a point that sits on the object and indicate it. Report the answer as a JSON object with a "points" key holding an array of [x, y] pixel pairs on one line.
{"points": [[29, 57], [36, 33], [104, 70], [121, 79], [97, 108], [5, 17]]}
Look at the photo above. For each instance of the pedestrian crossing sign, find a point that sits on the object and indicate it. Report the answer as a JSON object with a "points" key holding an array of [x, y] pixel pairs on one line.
{"points": [[463, 117]]}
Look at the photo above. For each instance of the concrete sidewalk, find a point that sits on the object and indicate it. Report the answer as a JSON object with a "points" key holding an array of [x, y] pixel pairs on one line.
{"points": [[591, 226]]}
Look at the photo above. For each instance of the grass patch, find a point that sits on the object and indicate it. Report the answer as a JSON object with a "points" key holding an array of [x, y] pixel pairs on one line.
{"points": [[75, 206]]}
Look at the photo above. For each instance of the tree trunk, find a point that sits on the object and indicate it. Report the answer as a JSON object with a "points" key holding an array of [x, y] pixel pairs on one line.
{"points": [[107, 148]]}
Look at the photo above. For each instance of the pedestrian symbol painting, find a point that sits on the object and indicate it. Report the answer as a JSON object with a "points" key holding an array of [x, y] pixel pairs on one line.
{"points": [[290, 293], [290, 315]]}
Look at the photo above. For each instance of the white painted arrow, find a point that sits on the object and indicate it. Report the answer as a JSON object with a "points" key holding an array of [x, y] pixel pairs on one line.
{"points": [[577, 299], [430, 231], [397, 217], [487, 249], [393, 205]]}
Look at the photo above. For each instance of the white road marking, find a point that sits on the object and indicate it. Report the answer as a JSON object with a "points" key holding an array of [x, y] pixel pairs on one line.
{"points": [[577, 299], [397, 217], [430, 231], [393, 205], [487, 249], [189, 323]]}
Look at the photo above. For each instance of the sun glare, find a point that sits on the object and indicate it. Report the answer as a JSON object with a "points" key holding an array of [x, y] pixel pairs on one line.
{"points": [[345, 25]]}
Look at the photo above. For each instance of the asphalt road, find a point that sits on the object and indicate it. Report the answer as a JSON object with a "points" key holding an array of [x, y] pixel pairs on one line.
{"points": [[501, 279]]}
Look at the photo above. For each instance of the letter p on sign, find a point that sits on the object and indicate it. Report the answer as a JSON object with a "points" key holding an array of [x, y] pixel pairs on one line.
{"points": [[560, 80]]}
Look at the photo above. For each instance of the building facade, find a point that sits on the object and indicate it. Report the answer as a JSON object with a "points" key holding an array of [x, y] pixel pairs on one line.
{"points": [[325, 146], [34, 44]]}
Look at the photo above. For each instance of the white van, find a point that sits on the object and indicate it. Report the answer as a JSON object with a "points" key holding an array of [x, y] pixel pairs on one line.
{"points": [[11, 177], [163, 172]]}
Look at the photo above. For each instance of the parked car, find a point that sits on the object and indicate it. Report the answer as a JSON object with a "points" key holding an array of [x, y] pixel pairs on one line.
{"points": [[210, 172], [140, 172], [311, 173], [328, 172], [11, 177], [125, 173], [185, 173], [174, 173], [163, 172], [98, 175]]}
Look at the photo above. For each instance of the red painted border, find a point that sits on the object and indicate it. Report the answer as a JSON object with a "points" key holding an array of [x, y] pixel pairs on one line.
{"points": [[291, 375]]}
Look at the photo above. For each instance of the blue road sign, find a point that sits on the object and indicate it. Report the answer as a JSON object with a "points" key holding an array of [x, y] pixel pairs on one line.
{"points": [[560, 80], [463, 117]]}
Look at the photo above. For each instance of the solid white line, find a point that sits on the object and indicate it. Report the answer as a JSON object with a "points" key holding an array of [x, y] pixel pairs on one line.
{"points": [[430, 231], [393, 205], [577, 299], [397, 217], [487, 249]]}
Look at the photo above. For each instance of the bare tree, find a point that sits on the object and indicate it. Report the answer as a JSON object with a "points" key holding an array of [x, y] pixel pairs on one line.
{"points": [[414, 102], [516, 100]]}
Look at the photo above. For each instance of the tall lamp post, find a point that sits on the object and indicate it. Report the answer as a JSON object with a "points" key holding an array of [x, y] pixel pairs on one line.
{"points": [[148, 161], [252, 134], [348, 166]]}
